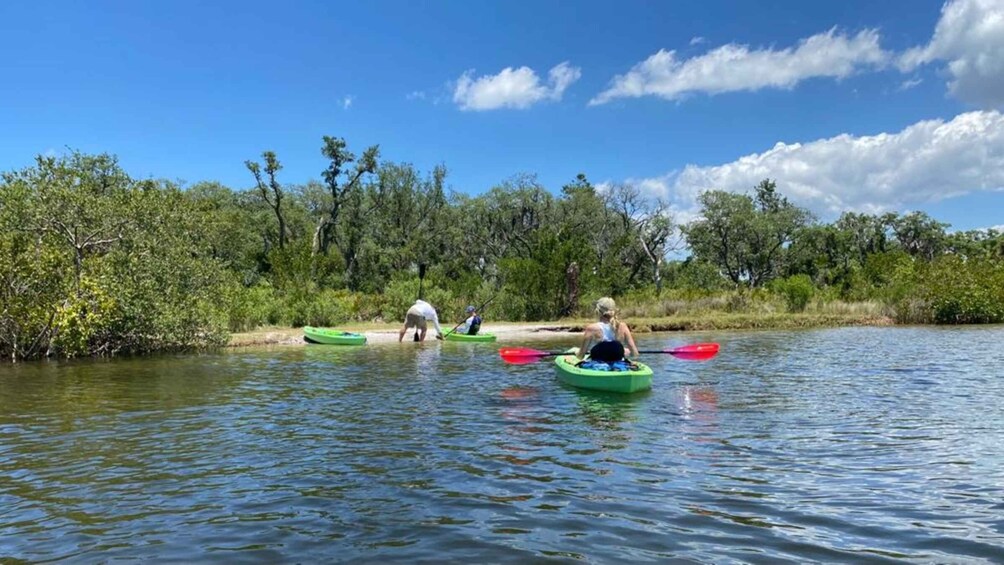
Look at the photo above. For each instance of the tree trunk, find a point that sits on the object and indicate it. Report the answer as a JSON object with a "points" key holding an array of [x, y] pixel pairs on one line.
{"points": [[657, 276], [571, 289], [320, 244]]}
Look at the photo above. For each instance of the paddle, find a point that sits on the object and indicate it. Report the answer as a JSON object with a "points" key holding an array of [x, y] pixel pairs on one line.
{"points": [[693, 352], [480, 308]]}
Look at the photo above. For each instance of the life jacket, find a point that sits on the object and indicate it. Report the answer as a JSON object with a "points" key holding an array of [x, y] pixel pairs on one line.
{"points": [[475, 326]]}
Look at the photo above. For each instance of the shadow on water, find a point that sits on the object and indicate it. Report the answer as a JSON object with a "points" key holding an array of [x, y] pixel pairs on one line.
{"points": [[607, 409]]}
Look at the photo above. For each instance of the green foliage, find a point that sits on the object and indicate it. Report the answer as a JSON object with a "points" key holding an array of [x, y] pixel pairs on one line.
{"points": [[698, 277], [93, 262], [797, 291], [964, 292], [745, 236], [103, 264]]}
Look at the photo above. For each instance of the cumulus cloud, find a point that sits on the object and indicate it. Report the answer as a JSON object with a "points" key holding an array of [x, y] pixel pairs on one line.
{"points": [[513, 88], [969, 37], [928, 161], [908, 84], [347, 102], [735, 67], [696, 40]]}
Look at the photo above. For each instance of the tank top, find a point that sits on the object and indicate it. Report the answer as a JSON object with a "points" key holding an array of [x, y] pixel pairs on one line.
{"points": [[608, 332]]}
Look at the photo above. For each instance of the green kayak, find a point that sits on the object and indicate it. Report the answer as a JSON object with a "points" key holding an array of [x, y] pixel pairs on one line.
{"points": [[332, 337], [450, 336], [610, 381]]}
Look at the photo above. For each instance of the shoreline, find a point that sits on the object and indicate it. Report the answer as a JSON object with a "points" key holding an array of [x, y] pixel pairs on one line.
{"points": [[515, 331]]}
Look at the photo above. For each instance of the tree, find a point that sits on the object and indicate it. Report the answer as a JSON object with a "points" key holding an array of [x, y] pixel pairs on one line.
{"points": [[645, 229], [746, 236], [867, 234], [920, 235], [95, 263], [272, 166], [82, 201], [340, 183], [504, 220]]}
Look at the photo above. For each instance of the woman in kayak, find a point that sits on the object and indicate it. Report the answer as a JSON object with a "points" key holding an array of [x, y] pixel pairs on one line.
{"points": [[417, 315], [472, 325], [607, 336]]}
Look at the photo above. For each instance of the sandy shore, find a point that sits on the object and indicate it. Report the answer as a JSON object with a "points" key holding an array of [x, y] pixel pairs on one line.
{"points": [[505, 332], [515, 332]]}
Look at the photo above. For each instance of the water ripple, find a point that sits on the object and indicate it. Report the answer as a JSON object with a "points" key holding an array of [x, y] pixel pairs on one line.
{"points": [[843, 445]]}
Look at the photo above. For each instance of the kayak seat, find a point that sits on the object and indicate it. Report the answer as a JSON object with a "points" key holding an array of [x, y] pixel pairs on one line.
{"points": [[601, 366]]}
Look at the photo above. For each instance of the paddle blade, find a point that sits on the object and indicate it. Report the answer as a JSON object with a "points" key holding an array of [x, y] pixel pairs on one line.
{"points": [[521, 355], [695, 351]]}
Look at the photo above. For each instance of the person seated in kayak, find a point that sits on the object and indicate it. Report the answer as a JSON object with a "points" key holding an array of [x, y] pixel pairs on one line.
{"points": [[605, 339], [417, 316], [472, 325]]}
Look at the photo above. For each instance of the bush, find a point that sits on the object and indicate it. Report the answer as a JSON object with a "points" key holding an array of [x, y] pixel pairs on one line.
{"points": [[250, 307], [964, 292], [796, 290]]}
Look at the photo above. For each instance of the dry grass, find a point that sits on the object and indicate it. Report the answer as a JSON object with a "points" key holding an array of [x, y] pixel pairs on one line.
{"points": [[841, 308]]}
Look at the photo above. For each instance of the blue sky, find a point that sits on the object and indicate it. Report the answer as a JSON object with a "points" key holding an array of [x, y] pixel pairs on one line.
{"points": [[189, 90]]}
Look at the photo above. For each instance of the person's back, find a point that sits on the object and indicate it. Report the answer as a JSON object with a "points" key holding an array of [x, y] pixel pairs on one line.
{"points": [[603, 339], [416, 317]]}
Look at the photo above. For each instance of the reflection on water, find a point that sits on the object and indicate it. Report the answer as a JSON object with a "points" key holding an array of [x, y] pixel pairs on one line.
{"points": [[835, 445]]}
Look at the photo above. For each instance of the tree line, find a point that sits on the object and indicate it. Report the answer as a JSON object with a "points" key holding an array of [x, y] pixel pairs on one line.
{"points": [[93, 261]]}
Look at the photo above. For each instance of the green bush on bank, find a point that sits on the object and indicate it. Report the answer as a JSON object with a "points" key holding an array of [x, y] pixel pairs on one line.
{"points": [[797, 291], [963, 292]]}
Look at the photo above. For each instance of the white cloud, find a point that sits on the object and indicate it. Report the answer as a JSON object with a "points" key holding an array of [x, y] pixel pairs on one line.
{"points": [[908, 84], [512, 88], [347, 102], [928, 161], [415, 95], [696, 40], [735, 67], [970, 38]]}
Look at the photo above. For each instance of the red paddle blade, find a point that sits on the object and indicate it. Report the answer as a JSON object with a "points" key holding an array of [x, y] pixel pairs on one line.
{"points": [[695, 351], [520, 355]]}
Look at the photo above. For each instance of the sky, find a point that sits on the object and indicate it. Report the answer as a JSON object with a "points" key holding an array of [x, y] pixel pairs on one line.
{"points": [[853, 105]]}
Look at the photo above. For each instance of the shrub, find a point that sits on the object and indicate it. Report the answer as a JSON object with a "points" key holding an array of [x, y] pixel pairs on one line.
{"points": [[796, 290], [964, 292]]}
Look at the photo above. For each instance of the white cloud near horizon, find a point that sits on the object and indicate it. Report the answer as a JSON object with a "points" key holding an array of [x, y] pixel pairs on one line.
{"points": [[928, 161], [735, 67], [516, 88], [969, 38]]}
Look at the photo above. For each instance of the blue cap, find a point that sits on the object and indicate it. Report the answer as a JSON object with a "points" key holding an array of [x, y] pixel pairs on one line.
{"points": [[470, 309]]}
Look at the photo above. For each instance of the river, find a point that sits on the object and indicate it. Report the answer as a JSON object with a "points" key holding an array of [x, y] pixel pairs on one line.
{"points": [[838, 445]]}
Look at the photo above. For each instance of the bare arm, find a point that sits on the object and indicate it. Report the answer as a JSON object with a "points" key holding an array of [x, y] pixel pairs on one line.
{"points": [[587, 336], [632, 349]]}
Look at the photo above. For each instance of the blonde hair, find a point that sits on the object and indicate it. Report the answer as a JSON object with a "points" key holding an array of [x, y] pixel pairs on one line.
{"points": [[607, 307]]}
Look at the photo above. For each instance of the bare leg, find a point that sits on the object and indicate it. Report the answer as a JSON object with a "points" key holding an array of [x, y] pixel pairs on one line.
{"points": [[400, 334], [423, 334]]}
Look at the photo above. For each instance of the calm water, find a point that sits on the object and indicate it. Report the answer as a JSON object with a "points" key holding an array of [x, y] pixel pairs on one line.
{"points": [[835, 445]]}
